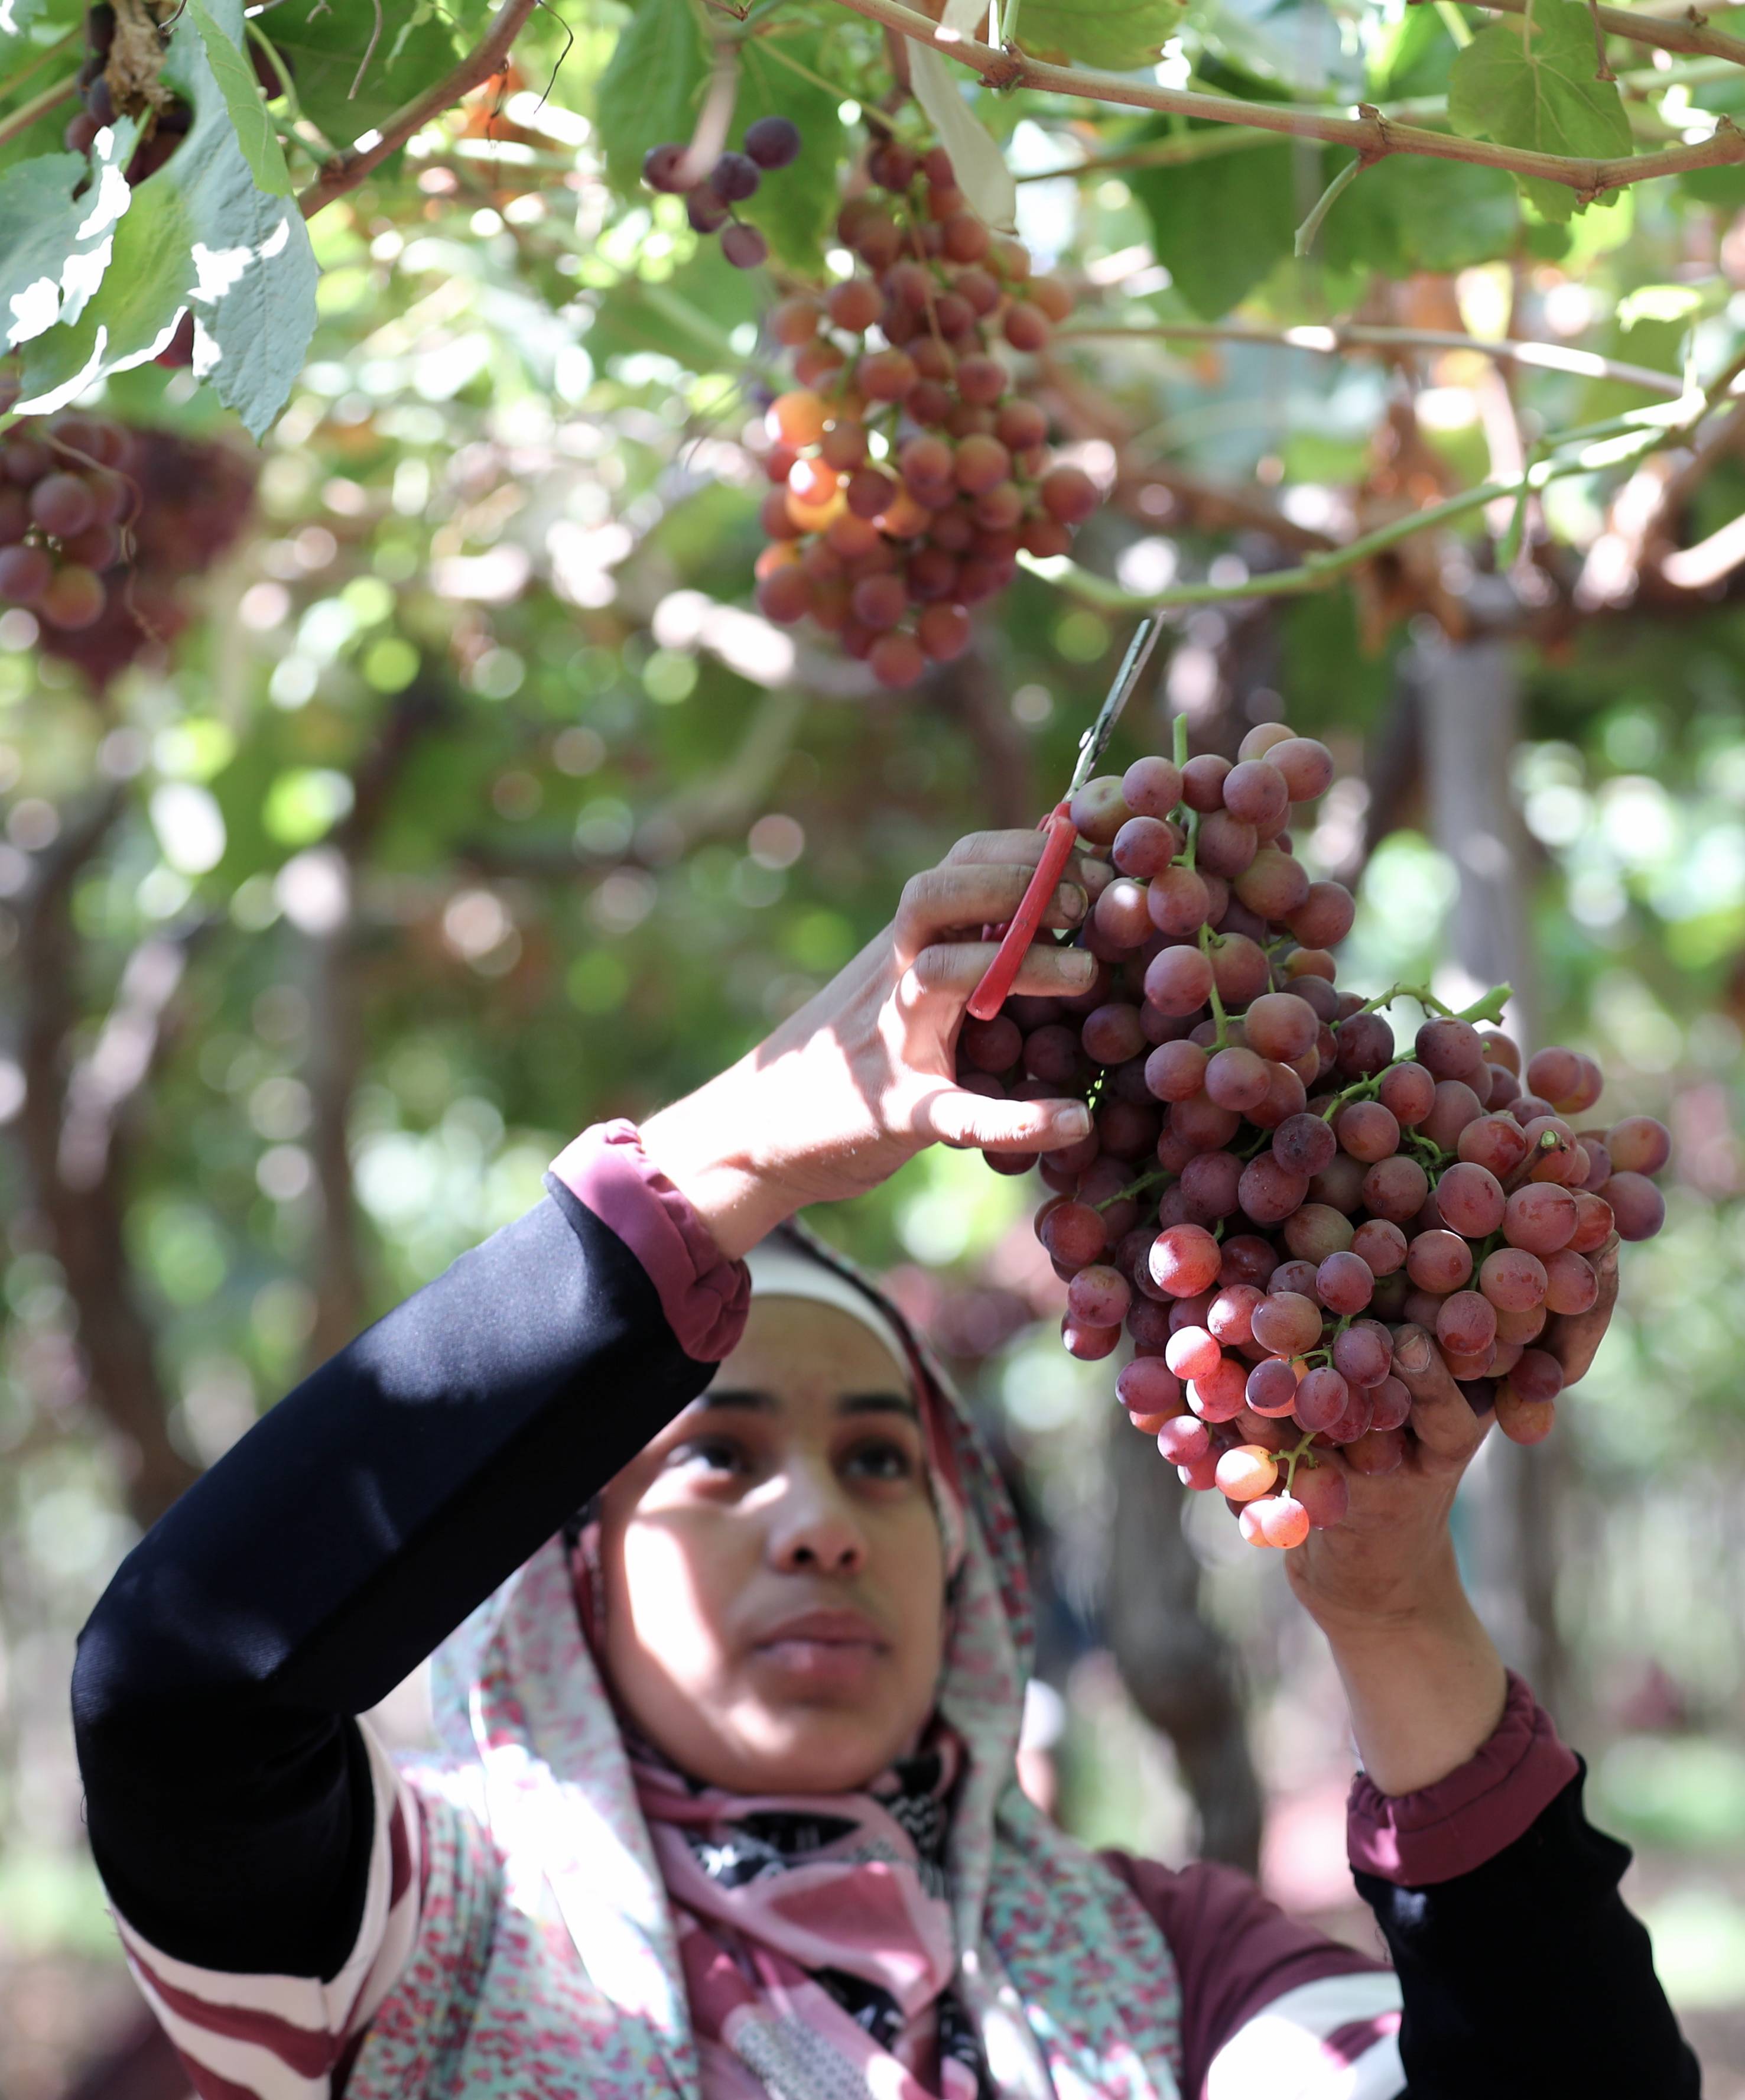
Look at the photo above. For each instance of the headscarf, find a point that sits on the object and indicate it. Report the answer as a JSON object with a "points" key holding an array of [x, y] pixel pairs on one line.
{"points": [[595, 1924]]}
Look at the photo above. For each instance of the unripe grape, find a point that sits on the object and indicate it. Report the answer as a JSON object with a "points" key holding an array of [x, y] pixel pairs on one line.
{"points": [[1246, 1472], [74, 597]]}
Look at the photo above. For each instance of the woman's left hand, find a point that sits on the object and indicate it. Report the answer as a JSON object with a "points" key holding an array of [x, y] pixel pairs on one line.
{"points": [[1422, 1676], [1389, 1557]]}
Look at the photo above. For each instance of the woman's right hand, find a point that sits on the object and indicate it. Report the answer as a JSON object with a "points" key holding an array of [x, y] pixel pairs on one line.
{"points": [[862, 1077]]}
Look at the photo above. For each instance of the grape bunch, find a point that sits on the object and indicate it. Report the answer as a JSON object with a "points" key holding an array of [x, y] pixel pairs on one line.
{"points": [[65, 500], [771, 142], [110, 586], [906, 474], [1269, 1188], [167, 122]]}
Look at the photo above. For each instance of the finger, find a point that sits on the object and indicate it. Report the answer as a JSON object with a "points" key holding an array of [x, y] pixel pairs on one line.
{"points": [[1574, 1338], [1024, 849], [942, 899], [954, 1117], [953, 968], [1442, 1417]]}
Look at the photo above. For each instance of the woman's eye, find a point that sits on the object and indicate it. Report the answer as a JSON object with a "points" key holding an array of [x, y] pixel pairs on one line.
{"points": [[882, 1460], [709, 1454]]}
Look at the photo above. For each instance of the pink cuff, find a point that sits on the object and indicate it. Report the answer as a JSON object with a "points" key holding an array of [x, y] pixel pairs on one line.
{"points": [[1447, 1829], [702, 1294]]}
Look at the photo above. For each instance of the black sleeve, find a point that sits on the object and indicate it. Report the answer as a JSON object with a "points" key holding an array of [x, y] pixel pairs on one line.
{"points": [[1529, 1976], [333, 1547]]}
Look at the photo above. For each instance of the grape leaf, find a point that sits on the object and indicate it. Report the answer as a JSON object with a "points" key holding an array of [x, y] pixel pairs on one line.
{"points": [[53, 247], [235, 76], [322, 43], [1529, 80], [1405, 213], [976, 161], [1219, 226], [201, 233], [649, 95], [1121, 35], [796, 205]]}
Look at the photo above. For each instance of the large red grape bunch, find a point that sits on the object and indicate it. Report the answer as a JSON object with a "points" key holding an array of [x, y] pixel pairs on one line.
{"points": [[710, 194], [906, 473], [65, 498], [1269, 1187]]}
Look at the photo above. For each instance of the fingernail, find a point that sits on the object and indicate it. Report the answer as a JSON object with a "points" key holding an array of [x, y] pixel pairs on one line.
{"points": [[1074, 1119], [1412, 1349], [1071, 901], [1084, 965]]}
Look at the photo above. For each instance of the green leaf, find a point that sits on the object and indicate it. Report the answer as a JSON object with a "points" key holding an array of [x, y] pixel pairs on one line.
{"points": [[1220, 226], [1529, 80], [54, 246], [1121, 35], [199, 233], [649, 95], [1406, 213], [235, 76], [796, 206], [322, 43]]}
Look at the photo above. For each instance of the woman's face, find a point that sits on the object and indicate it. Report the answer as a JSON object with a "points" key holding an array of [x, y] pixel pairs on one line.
{"points": [[773, 1576]]}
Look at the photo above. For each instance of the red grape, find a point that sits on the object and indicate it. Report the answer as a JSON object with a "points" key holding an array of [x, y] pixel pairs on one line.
{"points": [[1638, 1208]]}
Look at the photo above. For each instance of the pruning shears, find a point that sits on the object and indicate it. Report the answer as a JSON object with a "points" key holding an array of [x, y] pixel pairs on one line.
{"points": [[990, 994]]}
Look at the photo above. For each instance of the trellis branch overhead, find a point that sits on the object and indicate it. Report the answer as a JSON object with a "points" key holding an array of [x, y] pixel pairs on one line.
{"points": [[1369, 133], [488, 56], [1690, 33]]}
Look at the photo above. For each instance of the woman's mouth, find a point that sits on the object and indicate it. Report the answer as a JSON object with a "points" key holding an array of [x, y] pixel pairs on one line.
{"points": [[839, 1649]]}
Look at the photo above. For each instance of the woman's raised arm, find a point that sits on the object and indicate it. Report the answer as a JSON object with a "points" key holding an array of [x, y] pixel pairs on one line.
{"points": [[229, 1796]]}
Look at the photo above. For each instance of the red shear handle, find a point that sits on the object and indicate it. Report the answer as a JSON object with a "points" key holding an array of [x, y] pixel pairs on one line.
{"points": [[989, 995]]}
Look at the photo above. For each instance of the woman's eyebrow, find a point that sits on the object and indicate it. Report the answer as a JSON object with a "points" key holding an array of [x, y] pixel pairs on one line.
{"points": [[878, 1403]]}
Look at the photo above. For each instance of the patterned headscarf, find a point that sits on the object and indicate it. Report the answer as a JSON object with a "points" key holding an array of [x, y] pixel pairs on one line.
{"points": [[597, 1924]]}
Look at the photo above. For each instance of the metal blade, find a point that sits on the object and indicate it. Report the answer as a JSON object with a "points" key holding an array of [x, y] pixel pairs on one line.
{"points": [[1095, 738]]}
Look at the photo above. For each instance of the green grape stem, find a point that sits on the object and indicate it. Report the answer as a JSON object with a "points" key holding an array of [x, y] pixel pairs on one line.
{"points": [[1206, 939], [1158, 1174], [1489, 1008], [1294, 1458]]}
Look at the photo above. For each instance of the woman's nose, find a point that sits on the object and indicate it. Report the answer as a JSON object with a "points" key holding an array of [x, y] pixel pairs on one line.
{"points": [[813, 1531]]}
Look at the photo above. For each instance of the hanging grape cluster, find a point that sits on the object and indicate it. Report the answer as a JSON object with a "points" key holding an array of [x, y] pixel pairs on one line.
{"points": [[102, 527], [771, 142], [65, 496], [906, 474], [1269, 1188]]}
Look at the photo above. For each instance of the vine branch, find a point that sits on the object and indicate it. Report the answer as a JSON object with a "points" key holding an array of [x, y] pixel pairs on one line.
{"points": [[1371, 136], [1332, 340], [345, 170], [1688, 32]]}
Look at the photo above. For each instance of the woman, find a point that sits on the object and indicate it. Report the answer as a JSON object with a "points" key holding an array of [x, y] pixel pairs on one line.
{"points": [[729, 1676]]}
